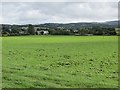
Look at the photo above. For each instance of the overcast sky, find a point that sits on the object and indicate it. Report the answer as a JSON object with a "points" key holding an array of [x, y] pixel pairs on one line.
{"points": [[57, 12]]}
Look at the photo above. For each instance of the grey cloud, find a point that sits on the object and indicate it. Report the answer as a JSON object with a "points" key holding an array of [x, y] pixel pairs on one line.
{"points": [[62, 12]]}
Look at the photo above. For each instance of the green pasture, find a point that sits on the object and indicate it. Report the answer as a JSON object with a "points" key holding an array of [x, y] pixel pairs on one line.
{"points": [[60, 62]]}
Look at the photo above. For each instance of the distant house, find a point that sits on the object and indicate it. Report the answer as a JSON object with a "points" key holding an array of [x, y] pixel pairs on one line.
{"points": [[46, 32], [75, 31], [38, 30], [117, 30], [25, 28], [42, 32], [67, 30]]}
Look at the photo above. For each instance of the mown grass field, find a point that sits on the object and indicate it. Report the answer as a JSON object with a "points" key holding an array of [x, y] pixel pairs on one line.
{"points": [[60, 62]]}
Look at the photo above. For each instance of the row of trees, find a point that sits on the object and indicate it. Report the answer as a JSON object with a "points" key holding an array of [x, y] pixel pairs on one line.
{"points": [[84, 31], [17, 30]]}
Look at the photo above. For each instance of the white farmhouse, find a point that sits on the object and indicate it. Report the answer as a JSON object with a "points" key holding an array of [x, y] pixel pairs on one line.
{"points": [[42, 32]]}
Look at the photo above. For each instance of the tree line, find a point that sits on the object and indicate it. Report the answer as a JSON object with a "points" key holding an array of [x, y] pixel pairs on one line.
{"points": [[13, 30]]}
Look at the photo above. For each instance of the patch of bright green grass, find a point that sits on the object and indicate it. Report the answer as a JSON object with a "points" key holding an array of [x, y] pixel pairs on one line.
{"points": [[60, 62]]}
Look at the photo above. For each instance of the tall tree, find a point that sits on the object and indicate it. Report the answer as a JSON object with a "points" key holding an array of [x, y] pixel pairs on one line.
{"points": [[31, 29]]}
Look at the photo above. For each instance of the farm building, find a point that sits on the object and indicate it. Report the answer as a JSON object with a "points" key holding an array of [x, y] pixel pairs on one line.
{"points": [[42, 32]]}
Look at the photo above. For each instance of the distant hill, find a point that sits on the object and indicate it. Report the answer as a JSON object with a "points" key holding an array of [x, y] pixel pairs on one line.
{"points": [[109, 24], [112, 23]]}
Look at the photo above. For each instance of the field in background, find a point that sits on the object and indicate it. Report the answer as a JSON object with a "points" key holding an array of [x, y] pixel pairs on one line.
{"points": [[60, 61]]}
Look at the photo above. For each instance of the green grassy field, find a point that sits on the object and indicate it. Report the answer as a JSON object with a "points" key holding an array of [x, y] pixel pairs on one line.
{"points": [[60, 62]]}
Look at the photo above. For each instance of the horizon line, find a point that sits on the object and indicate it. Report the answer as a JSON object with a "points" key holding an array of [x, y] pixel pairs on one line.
{"points": [[63, 22]]}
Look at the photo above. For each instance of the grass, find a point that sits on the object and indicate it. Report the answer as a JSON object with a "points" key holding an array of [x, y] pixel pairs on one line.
{"points": [[0, 63], [60, 62]]}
